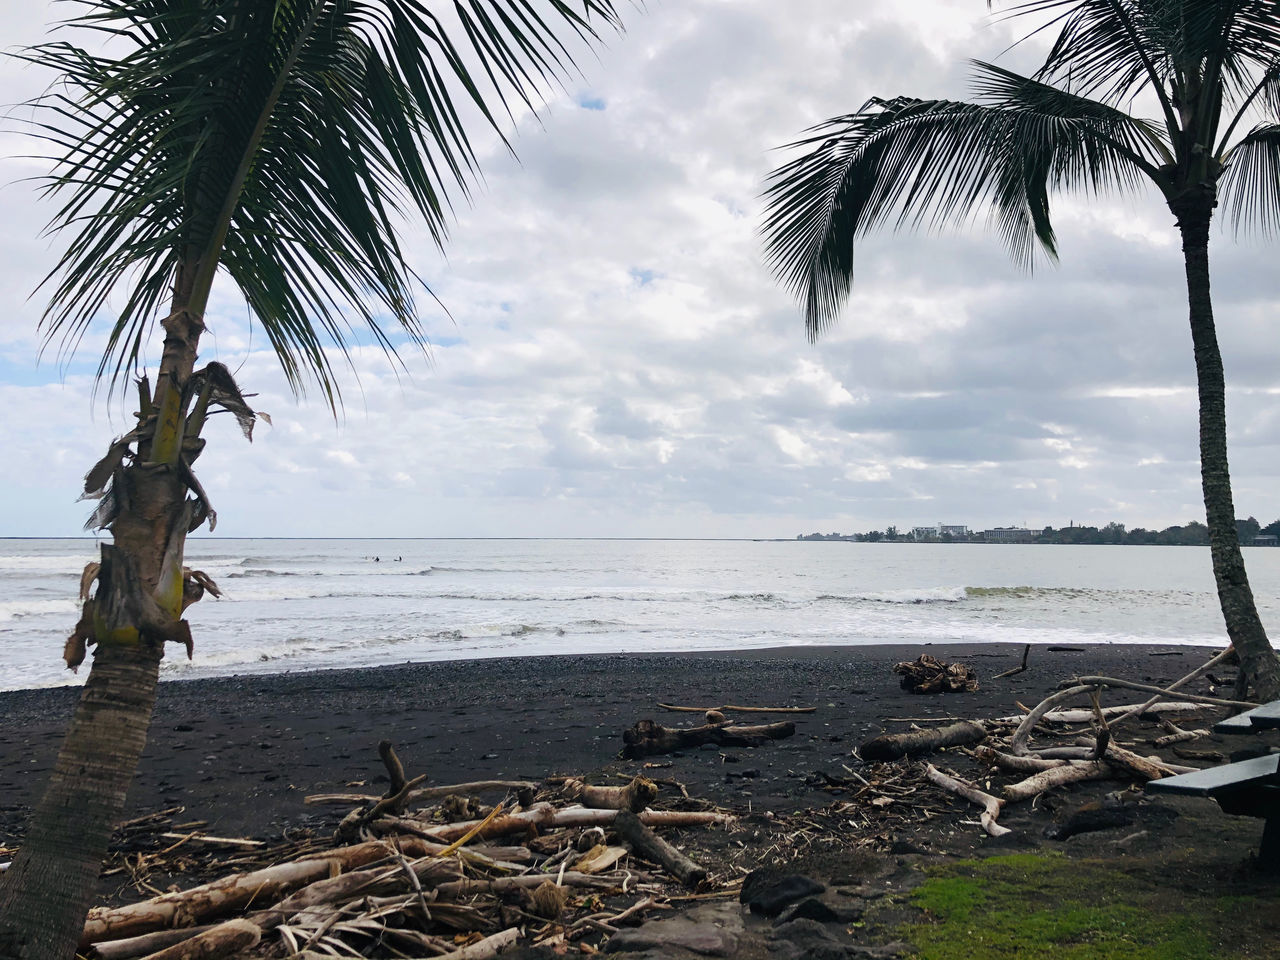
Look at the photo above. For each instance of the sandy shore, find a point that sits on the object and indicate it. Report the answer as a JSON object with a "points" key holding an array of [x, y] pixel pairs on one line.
{"points": [[242, 752]]}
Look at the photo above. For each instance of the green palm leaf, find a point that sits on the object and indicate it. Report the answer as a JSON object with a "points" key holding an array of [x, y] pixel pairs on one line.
{"points": [[910, 162], [280, 142]]}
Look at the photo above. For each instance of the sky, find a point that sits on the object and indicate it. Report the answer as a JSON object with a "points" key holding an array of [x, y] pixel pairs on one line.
{"points": [[617, 360]]}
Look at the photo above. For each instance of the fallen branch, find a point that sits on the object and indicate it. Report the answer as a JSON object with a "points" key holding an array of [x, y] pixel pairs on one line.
{"points": [[991, 805], [1072, 772], [486, 948], [428, 793], [735, 708], [648, 738], [545, 815], [1018, 742], [1014, 764], [653, 848], [1193, 675], [891, 746], [224, 895], [1163, 691], [635, 796], [1026, 651]]}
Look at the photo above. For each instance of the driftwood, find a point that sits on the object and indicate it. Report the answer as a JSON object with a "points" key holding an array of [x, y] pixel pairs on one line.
{"points": [[928, 674], [225, 895], [543, 815], [142, 946], [649, 738], [486, 948], [1072, 772], [1021, 668], [1015, 764], [735, 708], [429, 793], [635, 796], [1164, 691], [1193, 675], [1177, 735], [891, 746], [991, 806], [1018, 742], [1085, 714], [224, 940], [457, 889], [650, 846]]}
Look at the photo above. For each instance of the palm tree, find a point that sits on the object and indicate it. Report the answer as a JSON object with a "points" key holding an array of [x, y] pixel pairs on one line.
{"points": [[276, 142], [1211, 70]]}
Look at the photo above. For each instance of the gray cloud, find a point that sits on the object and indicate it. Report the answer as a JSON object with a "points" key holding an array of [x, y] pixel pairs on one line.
{"points": [[619, 361]]}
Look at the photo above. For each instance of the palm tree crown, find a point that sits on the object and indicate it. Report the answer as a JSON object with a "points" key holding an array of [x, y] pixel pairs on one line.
{"points": [[1211, 68], [282, 141]]}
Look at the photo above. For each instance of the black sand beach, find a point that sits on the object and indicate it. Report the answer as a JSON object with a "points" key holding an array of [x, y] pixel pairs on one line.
{"points": [[1174, 876], [242, 752]]}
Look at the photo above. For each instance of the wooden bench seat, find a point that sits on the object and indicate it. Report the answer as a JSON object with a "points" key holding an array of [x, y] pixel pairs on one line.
{"points": [[1265, 717], [1247, 788]]}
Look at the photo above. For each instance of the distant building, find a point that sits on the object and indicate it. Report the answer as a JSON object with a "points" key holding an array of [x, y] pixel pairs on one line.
{"points": [[1009, 535], [1266, 540], [939, 530]]}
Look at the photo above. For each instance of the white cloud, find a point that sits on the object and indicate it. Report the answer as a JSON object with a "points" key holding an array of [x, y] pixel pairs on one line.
{"points": [[619, 361]]}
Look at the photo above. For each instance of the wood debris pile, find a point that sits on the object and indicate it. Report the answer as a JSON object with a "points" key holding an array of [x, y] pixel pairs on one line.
{"points": [[1072, 745], [927, 674], [419, 872]]}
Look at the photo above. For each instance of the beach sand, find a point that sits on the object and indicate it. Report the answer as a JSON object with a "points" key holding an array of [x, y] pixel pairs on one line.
{"points": [[242, 752]]}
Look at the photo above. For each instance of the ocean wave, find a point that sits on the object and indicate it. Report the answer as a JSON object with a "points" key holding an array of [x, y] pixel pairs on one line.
{"points": [[45, 564], [18, 609], [908, 595]]}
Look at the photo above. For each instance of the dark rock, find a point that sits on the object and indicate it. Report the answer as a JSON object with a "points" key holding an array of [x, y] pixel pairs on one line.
{"points": [[712, 930], [769, 892], [822, 909]]}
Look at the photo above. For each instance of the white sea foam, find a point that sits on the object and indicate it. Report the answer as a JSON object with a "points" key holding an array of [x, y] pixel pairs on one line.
{"points": [[302, 605]]}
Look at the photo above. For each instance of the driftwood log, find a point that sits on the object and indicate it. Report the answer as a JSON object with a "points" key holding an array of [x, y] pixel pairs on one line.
{"points": [[991, 806], [927, 674], [891, 746], [645, 843], [542, 815], [228, 894], [635, 796], [649, 738]]}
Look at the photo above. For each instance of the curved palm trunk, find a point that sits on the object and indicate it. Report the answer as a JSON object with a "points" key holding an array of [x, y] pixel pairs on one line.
{"points": [[46, 893], [49, 887], [1259, 667]]}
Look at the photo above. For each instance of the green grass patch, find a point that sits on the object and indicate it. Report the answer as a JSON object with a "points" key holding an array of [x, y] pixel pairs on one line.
{"points": [[1037, 905]]}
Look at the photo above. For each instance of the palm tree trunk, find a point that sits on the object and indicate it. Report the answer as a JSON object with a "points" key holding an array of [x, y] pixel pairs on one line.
{"points": [[46, 893], [48, 889], [1259, 667]]}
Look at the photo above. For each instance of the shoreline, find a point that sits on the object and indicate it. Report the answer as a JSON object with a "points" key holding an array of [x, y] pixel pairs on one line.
{"points": [[241, 752], [799, 651]]}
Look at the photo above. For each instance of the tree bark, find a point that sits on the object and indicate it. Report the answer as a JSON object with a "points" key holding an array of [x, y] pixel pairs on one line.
{"points": [[47, 891], [45, 895], [1259, 667]]}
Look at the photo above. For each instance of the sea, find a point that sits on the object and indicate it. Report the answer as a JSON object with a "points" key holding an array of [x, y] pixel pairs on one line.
{"points": [[296, 605]]}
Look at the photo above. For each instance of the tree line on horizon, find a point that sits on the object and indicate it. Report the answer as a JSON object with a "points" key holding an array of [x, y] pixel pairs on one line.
{"points": [[1191, 534]]}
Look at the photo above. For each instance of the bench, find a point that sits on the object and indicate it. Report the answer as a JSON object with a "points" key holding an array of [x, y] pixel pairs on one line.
{"points": [[1247, 788], [1265, 717]]}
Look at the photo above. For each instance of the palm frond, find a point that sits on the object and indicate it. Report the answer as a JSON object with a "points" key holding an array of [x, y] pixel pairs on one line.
{"points": [[283, 141], [909, 162], [1250, 186]]}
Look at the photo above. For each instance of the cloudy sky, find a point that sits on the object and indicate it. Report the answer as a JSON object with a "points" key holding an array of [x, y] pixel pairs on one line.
{"points": [[620, 363]]}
